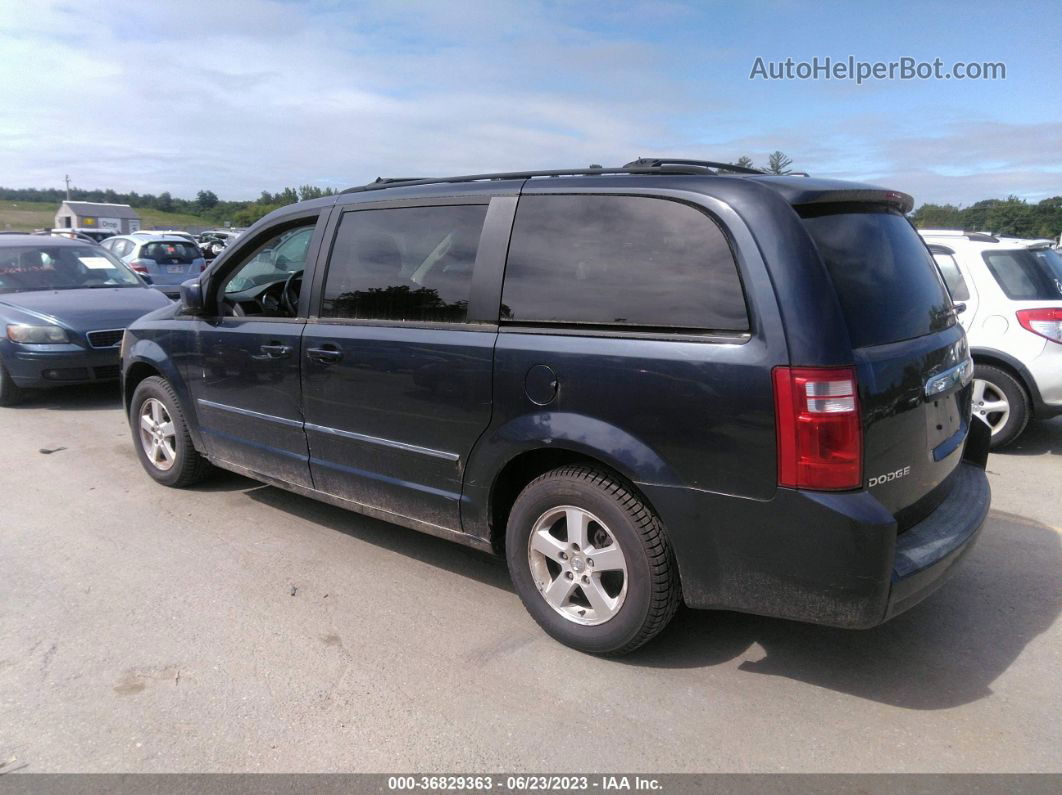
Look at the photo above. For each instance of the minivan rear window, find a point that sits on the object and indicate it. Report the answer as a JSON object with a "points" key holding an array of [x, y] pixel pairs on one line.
{"points": [[1024, 276], [887, 283]]}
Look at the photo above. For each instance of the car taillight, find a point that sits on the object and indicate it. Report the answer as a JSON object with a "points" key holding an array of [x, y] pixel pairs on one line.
{"points": [[820, 438], [1045, 322], [138, 265]]}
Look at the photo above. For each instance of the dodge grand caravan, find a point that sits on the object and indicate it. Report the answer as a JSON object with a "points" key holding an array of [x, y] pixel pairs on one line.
{"points": [[671, 382]]}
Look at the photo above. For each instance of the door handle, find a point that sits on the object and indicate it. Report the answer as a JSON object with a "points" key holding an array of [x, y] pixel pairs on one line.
{"points": [[325, 355], [276, 351]]}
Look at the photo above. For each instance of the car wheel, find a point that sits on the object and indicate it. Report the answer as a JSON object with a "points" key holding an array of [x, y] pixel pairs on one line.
{"points": [[10, 392], [161, 438], [1001, 402], [591, 561]]}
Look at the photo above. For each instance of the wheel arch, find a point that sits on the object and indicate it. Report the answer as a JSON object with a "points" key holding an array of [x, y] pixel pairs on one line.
{"points": [[146, 359], [1010, 365], [134, 374], [527, 465]]}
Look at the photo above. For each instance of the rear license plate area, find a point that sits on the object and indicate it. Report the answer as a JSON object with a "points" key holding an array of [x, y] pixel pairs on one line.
{"points": [[944, 418]]}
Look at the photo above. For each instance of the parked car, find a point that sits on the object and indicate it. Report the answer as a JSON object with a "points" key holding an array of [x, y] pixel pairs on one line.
{"points": [[643, 386], [64, 305], [214, 241], [167, 260], [1012, 290], [174, 233]]}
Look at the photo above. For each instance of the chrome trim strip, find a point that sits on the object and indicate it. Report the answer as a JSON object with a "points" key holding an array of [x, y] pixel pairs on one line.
{"points": [[361, 437], [248, 413], [958, 375]]}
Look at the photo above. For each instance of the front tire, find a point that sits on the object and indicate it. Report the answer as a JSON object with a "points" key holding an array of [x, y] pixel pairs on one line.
{"points": [[10, 392], [1001, 402], [591, 561], [161, 438]]}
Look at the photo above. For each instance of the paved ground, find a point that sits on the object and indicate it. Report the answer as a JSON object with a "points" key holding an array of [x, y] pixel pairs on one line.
{"points": [[241, 628]]}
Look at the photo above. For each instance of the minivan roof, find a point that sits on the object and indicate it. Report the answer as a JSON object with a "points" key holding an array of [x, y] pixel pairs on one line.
{"points": [[795, 189]]}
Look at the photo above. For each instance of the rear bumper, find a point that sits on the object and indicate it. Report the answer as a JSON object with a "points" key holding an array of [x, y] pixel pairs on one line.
{"points": [[833, 559], [70, 364], [928, 552]]}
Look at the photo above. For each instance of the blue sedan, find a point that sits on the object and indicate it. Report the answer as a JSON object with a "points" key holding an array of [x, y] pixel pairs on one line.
{"points": [[64, 305]]}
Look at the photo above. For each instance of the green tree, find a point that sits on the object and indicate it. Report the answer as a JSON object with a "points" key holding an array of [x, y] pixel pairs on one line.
{"points": [[779, 163], [938, 216], [206, 200]]}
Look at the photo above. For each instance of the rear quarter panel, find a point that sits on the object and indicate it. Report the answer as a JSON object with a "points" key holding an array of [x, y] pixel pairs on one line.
{"points": [[672, 412]]}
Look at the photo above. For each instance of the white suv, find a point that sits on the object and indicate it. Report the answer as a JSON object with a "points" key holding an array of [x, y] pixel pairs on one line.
{"points": [[1013, 318]]}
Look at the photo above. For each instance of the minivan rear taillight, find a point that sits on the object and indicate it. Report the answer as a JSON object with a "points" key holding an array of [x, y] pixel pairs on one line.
{"points": [[139, 265], [820, 438], [1045, 322]]}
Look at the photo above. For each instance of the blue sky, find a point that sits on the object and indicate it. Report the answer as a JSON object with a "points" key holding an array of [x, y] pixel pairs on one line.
{"points": [[243, 95]]}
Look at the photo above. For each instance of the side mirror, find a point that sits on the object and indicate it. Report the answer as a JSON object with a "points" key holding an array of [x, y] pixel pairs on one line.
{"points": [[959, 307], [146, 279], [192, 297]]}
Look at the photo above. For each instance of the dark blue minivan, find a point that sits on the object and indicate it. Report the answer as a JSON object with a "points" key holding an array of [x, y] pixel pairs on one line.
{"points": [[671, 382]]}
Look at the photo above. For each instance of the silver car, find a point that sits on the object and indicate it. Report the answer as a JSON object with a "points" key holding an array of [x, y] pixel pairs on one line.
{"points": [[165, 259]]}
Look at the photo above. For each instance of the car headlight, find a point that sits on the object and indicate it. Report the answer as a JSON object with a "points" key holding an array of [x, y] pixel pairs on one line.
{"points": [[37, 335]]}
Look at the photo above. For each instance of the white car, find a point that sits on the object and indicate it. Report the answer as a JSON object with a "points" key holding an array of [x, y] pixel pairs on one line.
{"points": [[1012, 290]]}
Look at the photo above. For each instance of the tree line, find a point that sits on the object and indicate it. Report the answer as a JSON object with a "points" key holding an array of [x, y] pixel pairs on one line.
{"points": [[1011, 217]]}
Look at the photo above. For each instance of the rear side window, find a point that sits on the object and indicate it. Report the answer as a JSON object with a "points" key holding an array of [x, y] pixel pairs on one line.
{"points": [[1024, 276], [620, 261], [170, 251], [949, 269], [405, 264], [885, 279], [1051, 259]]}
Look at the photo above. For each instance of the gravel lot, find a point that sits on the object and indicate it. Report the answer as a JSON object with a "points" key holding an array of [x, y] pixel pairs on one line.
{"points": [[241, 628]]}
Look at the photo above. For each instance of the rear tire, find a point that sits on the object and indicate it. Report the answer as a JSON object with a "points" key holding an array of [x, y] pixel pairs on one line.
{"points": [[161, 438], [10, 392], [591, 561], [1000, 401]]}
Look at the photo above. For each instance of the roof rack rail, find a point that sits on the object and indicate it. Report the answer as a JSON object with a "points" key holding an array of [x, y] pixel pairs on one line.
{"points": [[660, 162], [380, 183]]}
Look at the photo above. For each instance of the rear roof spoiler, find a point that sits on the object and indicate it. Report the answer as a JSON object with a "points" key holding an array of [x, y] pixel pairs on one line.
{"points": [[809, 191], [901, 201]]}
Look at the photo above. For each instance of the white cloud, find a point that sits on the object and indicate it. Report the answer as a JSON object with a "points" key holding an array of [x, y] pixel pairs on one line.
{"points": [[237, 97]]}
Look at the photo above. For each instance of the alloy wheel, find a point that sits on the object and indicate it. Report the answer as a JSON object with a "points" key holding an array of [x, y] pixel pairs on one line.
{"points": [[157, 434], [990, 405], [577, 565]]}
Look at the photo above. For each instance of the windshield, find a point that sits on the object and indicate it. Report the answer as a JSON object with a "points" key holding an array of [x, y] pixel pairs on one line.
{"points": [[45, 267], [1027, 275], [886, 281]]}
